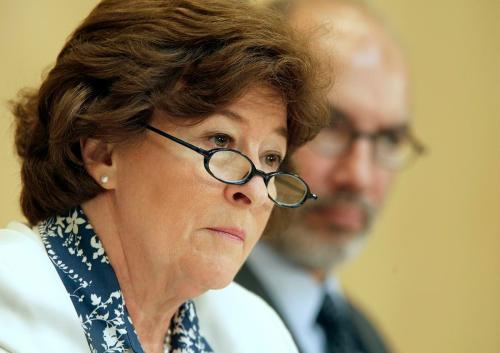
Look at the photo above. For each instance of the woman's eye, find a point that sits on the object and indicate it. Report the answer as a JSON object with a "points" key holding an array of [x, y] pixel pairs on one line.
{"points": [[221, 140], [273, 160]]}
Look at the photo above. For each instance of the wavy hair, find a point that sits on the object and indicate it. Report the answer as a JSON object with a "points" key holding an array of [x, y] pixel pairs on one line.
{"points": [[188, 58]]}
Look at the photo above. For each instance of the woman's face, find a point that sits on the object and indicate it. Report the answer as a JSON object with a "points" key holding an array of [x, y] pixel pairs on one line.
{"points": [[176, 219]]}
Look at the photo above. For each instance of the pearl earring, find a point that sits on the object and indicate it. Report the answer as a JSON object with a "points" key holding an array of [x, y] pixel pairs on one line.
{"points": [[104, 179]]}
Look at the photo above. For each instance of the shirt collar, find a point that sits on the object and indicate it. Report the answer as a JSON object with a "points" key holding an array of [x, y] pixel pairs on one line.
{"points": [[296, 294], [84, 268]]}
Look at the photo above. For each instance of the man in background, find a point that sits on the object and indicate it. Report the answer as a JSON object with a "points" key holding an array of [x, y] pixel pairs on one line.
{"points": [[351, 165]]}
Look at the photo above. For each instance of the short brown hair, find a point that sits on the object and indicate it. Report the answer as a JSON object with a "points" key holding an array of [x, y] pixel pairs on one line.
{"points": [[188, 58]]}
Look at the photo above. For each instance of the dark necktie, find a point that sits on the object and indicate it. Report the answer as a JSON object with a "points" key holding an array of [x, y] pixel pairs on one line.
{"points": [[337, 326]]}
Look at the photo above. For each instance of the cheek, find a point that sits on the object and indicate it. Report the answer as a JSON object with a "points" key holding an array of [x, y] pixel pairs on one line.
{"points": [[382, 183], [312, 168], [153, 198], [261, 217], [150, 185]]}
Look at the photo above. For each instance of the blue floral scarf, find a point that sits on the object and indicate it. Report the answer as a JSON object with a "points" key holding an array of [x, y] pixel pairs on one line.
{"points": [[82, 264]]}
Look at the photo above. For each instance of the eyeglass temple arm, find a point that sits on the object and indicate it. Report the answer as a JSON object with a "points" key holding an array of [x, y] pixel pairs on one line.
{"points": [[179, 141], [419, 146]]}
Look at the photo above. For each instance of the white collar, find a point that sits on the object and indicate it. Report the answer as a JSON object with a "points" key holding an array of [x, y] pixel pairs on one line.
{"points": [[296, 294]]}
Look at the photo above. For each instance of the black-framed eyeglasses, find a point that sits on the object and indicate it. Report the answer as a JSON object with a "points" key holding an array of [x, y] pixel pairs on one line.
{"points": [[233, 167], [393, 148]]}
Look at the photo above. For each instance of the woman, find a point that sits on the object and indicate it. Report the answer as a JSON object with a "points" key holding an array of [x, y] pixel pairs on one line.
{"points": [[150, 159]]}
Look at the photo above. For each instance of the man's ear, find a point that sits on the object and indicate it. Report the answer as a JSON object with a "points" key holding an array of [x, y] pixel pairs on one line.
{"points": [[97, 157]]}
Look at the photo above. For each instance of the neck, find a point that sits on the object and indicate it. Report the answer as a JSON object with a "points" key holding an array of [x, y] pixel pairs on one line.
{"points": [[151, 295], [318, 274]]}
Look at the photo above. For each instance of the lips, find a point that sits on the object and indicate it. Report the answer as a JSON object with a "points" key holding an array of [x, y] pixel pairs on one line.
{"points": [[231, 232]]}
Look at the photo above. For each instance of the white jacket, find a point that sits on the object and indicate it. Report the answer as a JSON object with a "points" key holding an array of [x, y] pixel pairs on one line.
{"points": [[37, 315]]}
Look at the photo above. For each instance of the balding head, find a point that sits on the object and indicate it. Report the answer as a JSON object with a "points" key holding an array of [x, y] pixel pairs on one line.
{"points": [[367, 64], [351, 164]]}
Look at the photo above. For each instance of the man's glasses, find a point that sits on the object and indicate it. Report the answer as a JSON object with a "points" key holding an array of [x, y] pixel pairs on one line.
{"points": [[393, 148], [233, 167]]}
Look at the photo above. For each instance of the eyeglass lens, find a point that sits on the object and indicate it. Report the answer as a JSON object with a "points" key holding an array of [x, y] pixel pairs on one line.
{"points": [[230, 166], [287, 189]]}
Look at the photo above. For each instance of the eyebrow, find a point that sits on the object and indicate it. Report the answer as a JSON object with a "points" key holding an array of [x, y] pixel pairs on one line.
{"points": [[339, 116], [282, 131]]}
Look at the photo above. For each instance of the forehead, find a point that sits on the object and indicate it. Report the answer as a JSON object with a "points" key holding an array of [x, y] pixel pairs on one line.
{"points": [[371, 100], [370, 81], [260, 107], [260, 97], [369, 69]]}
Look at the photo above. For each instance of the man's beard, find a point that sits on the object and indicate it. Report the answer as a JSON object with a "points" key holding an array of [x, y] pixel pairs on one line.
{"points": [[321, 249]]}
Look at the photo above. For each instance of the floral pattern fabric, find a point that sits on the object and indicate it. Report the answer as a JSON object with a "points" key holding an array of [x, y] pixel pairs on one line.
{"points": [[83, 266]]}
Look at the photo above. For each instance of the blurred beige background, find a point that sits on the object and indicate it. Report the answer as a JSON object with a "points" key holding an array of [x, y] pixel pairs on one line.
{"points": [[431, 274]]}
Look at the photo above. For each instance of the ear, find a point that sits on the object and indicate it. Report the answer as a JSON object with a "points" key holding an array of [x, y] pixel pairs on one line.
{"points": [[97, 157]]}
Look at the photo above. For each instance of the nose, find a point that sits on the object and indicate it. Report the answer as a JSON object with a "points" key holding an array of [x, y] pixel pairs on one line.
{"points": [[354, 169], [251, 194]]}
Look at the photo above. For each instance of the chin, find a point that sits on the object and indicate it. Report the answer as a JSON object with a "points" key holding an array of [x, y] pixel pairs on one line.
{"points": [[322, 250], [216, 275], [219, 280], [340, 240], [222, 284]]}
